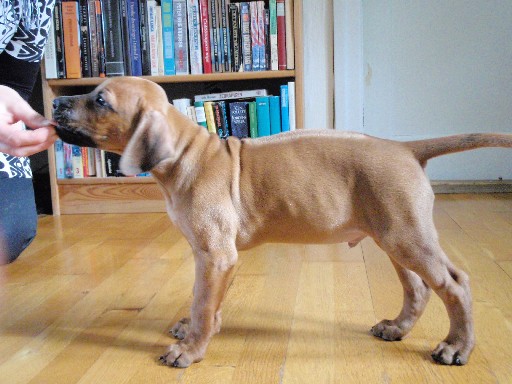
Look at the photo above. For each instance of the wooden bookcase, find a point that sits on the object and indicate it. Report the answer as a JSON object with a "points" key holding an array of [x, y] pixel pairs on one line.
{"points": [[141, 194]]}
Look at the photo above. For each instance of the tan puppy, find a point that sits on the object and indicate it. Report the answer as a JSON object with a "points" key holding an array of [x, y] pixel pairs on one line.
{"points": [[305, 186]]}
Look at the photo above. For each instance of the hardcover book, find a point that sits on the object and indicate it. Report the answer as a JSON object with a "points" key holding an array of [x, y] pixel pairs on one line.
{"points": [[263, 115], [113, 38], [275, 115], [239, 119]]}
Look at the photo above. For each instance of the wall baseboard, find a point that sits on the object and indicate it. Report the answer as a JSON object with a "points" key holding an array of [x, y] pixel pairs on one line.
{"points": [[469, 186]]}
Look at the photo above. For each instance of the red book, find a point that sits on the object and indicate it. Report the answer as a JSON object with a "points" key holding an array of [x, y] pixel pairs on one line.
{"points": [[205, 36], [281, 35]]}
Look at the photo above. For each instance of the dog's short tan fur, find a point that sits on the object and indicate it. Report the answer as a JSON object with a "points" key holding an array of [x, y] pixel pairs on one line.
{"points": [[305, 186]]}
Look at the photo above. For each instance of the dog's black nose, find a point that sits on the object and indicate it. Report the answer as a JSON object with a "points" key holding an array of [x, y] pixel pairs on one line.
{"points": [[56, 103]]}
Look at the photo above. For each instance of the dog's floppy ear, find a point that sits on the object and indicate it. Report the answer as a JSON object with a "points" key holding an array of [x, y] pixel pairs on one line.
{"points": [[149, 144]]}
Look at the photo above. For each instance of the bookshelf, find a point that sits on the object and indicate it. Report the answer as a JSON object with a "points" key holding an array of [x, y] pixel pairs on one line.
{"points": [[141, 194]]}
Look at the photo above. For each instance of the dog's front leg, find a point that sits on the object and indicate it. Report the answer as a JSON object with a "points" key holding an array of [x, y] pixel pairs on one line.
{"points": [[213, 271]]}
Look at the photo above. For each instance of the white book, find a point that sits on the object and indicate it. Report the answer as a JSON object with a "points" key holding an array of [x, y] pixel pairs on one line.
{"points": [[274, 62], [160, 43], [194, 33], [153, 21], [232, 95], [182, 105], [50, 55], [191, 113], [91, 162], [291, 102], [77, 161]]}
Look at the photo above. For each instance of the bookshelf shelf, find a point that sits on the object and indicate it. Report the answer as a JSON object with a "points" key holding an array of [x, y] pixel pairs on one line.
{"points": [[142, 194]]}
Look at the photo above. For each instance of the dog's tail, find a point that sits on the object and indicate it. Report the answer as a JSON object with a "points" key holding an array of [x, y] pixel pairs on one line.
{"points": [[427, 149]]}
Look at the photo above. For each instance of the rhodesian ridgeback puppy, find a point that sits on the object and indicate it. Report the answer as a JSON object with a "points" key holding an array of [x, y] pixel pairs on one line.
{"points": [[299, 187]]}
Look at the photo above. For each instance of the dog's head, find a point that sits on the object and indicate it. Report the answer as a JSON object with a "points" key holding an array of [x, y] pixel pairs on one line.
{"points": [[125, 115]]}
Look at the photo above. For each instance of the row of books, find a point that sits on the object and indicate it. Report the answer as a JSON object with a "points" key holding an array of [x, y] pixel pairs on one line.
{"points": [[98, 38], [243, 114]]}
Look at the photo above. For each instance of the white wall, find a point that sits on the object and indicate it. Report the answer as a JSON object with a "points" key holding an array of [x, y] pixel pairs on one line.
{"points": [[438, 67]]}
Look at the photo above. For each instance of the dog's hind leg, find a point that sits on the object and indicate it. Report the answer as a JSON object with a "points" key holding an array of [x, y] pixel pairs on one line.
{"points": [[416, 296], [424, 256]]}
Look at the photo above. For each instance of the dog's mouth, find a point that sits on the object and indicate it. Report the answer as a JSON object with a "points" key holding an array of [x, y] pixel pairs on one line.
{"points": [[73, 135]]}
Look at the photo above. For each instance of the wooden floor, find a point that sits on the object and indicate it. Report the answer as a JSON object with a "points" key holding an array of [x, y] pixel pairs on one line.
{"points": [[92, 299]]}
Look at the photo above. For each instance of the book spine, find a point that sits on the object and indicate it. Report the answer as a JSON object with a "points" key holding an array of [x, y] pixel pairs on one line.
{"points": [[59, 40], [224, 22], [285, 118], [134, 37], [168, 38], [93, 38], [50, 54], [254, 36], [91, 162], [234, 26], [281, 35], [112, 165], [220, 40], [191, 113], [273, 35], [214, 35], [231, 95], [144, 38], [267, 39], [85, 51], [261, 35], [263, 115], [200, 113], [85, 161], [152, 36], [181, 105], [205, 37], [179, 11], [123, 7], [239, 119], [219, 110], [77, 161], [159, 40], [70, 14], [113, 38], [290, 41], [291, 105], [210, 117], [68, 160], [253, 120], [97, 163], [59, 159], [194, 30], [275, 115], [245, 20], [100, 41]]}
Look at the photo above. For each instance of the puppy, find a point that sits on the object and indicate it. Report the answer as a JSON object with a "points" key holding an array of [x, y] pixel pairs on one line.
{"points": [[304, 186]]}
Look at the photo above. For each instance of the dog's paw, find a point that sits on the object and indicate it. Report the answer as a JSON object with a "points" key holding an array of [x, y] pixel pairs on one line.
{"points": [[180, 329], [388, 330], [181, 355], [451, 354]]}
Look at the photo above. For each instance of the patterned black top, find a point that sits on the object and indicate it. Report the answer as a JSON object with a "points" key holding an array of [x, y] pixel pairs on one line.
{"points": [[24, 26]]}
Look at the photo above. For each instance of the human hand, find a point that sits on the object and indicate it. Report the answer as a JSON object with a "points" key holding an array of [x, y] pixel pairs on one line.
{"points": [[14, 140]]}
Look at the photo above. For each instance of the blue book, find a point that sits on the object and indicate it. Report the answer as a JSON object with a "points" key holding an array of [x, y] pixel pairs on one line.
{"points": [[275, 115], [168, 38], [285, 108], [263, 115], [59, 159], [132, 13], [239, 119]]}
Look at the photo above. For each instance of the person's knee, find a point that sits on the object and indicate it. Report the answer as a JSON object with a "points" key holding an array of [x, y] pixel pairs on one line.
{"points": [[15, 238]]}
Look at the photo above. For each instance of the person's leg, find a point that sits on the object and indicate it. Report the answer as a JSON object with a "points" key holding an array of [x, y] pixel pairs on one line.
{"points": [[18, 217]]}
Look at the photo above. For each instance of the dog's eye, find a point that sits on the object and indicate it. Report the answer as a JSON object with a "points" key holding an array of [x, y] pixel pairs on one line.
{"points": [[101, 101]]}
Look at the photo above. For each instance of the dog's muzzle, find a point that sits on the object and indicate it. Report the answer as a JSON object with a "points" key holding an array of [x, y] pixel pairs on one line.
{"points": [[62, 114]]}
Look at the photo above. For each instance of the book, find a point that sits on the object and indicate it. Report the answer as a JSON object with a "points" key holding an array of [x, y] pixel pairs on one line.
{"points": [[191, 113], [210, 117], [205, 37], [260, 5], [91, 162], [236, 41], [113, 38], [231, 95], [144, 38], [273, 35], [59, 40], [214, 35], [263, 115], [133, 36], [267, 39], [275, 114], [181, 105], [100, 163], [239, 119], [179, 12], [85, 161], [93, 39], [99, 43], [281, 34], [159, 36], [290, 43], [112, 165], [255, 52], [253, 120], [245, 26], [194, 31], [68, 160], [285, 118], [50, 54], [200, 113], [291, 104], [225, 35], [168, 38], [77, 162], [221, 121], [59, 159], [85, 49], [70, 15], [152, 36]]}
